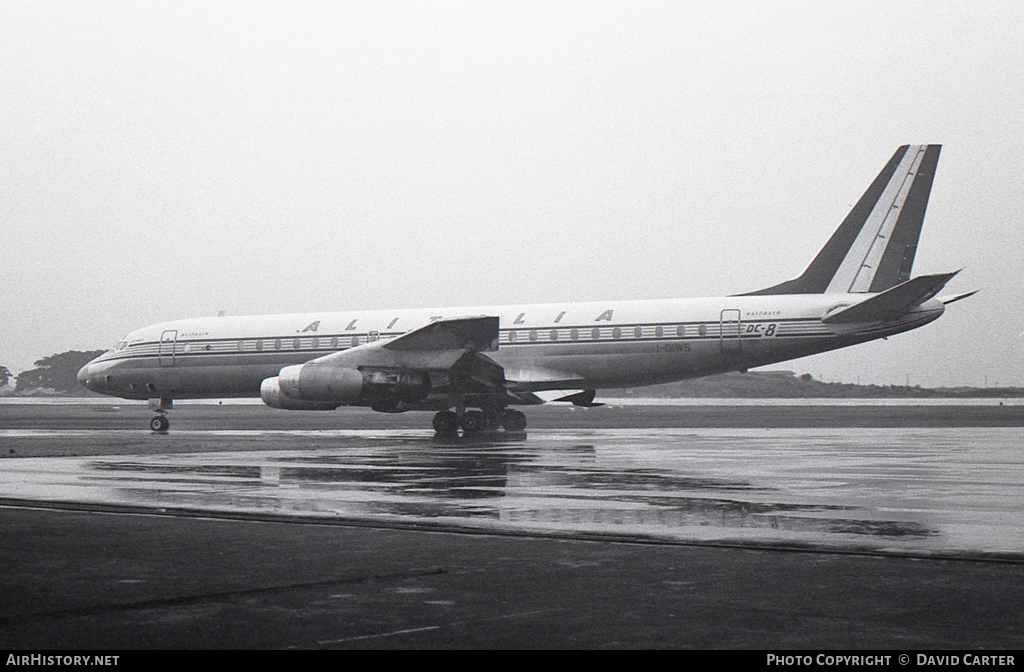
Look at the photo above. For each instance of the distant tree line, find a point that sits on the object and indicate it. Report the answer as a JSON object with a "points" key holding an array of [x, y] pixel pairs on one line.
{"points": [[58, 373], [787, 385]]}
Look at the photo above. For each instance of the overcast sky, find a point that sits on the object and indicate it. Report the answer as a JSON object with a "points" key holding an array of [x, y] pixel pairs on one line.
{"points": [[169, 160]]}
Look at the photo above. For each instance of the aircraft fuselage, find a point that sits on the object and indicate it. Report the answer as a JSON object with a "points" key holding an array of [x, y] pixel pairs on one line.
{"points": [[589, 345]]}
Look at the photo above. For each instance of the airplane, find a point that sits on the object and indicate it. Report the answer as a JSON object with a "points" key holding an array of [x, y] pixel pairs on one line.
{"points": [[470, 365]]}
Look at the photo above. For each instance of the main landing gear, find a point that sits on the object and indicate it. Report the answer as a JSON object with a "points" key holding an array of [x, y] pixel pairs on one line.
{"points": [[449, 422], [160, 423]]}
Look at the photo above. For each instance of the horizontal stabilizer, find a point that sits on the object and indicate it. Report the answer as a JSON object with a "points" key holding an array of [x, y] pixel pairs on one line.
{"points": [[892, 303]]}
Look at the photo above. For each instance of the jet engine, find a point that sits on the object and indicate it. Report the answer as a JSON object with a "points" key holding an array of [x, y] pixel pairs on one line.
{"points": [[319, 387], [271, 393]]}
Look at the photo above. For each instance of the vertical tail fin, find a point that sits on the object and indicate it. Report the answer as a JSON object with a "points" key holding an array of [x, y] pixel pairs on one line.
{"points": [[873, 249]]}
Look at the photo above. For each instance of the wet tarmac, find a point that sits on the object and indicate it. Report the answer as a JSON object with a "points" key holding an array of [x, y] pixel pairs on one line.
{"points": [[934, 492], [647, 527]]}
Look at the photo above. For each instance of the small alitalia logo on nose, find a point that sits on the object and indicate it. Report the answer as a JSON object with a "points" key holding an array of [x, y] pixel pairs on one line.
{"points": [[313, 326]]}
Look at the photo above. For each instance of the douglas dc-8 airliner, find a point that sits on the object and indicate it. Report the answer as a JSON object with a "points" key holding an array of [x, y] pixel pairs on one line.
{"points": [[469, 365]]}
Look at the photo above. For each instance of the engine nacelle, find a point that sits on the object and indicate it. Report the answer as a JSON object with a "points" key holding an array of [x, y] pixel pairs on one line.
{"points": [[321, 383], [270, 392], [317, 386]]}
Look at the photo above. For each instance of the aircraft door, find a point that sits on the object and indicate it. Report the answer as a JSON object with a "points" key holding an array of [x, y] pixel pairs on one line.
{"points": [[168, 339], [730, 330]]}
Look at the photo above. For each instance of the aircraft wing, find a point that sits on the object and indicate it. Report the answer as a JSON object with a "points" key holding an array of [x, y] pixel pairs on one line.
{"points": [[436, 346], [463, 333]]}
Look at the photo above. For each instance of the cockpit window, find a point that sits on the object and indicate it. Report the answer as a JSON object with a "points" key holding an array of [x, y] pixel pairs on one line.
{"points": [[122, 344]]}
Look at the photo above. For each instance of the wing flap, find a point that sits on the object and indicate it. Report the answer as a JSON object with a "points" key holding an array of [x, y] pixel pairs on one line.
{"points": [[534, 378], [478, 371], [584, 398]]}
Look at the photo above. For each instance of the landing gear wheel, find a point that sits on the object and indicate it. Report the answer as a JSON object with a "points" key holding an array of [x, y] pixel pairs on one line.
{"points": [[446, 422], [159, 424], [513, 421], [474, 421]]}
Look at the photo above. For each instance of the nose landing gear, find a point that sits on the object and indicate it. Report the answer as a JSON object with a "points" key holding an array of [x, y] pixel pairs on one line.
{"points": [[160, 423]]}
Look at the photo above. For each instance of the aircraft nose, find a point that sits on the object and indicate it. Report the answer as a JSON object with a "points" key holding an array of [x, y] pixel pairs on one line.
{"points": [[83, 376], [89, 375]]}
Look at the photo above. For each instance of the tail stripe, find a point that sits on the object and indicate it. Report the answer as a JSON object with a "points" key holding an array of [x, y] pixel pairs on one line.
{"points": [[858, 268], [873, 249], [896, 263]]}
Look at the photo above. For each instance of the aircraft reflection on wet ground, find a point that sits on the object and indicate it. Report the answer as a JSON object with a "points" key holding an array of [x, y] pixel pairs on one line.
{"points": [[932, 491]]}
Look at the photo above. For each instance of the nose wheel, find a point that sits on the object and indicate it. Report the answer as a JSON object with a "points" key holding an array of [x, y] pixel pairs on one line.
{"points": [[160, 406]]}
